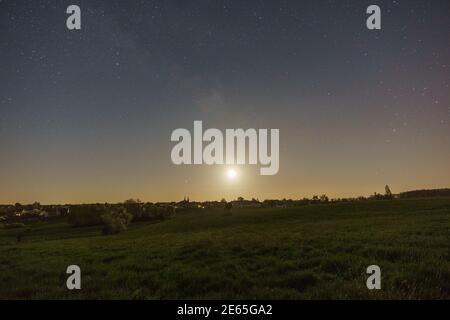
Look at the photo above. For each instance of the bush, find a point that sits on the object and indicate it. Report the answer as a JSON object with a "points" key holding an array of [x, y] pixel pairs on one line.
{"points": [[116, 221], [86, 215], [153, 212], [134, 207]]}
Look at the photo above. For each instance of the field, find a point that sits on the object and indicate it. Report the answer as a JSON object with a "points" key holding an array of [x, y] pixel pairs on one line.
{"points": [[311, 252]]}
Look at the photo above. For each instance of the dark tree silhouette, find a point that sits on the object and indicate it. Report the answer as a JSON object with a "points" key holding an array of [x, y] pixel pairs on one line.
{"points": [[387, 193]]}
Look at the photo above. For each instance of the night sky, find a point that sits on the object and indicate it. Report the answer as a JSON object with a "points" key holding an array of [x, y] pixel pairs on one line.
{"points": [[86, 116]]}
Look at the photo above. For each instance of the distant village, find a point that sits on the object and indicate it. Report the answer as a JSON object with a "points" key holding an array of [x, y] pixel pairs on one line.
{"points": [[36, 211]]}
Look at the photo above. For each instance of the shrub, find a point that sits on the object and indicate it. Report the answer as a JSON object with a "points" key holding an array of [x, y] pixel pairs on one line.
{"points": [[170, 211], [153, 212], [86, 215], [134, 207], [116, 221]]}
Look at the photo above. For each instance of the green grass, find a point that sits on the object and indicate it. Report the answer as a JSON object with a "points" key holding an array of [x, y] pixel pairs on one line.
{"points": [[312, 252]]}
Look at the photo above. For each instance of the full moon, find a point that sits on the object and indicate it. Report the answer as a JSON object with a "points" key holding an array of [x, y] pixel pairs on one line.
{"points": [[231, 174]]}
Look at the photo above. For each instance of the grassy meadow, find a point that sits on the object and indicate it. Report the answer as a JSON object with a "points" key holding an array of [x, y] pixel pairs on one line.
{"points": [[311, 252]]}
